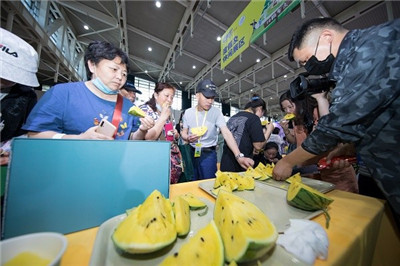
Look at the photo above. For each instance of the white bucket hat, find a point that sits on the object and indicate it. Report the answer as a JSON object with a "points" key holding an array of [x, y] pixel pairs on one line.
{"points": [[18, 60]]}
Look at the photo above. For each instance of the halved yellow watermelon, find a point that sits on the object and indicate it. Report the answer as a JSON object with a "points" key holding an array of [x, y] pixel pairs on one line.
{"points": [[246, 231], [306, 198], [136, 111]]}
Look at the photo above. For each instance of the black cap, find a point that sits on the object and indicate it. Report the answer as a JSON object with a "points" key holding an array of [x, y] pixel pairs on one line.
{"points": [[207, 88], [130, 87]]}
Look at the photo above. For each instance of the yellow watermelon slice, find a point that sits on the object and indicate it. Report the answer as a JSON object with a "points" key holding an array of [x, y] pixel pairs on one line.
{"points": [[289, 117], [199, 131], [147, 228], [296, 177], [136, 111], [246, 231], [193, 201], [182, 216], [204, 248]]}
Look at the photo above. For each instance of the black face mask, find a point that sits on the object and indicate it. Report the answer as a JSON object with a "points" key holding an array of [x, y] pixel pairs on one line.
{"points": [[316, 67]]}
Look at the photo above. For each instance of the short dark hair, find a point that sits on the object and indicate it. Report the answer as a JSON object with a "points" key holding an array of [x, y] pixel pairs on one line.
{"points": [[99, 50], [271, 145], [256, 101], [304, 30]]}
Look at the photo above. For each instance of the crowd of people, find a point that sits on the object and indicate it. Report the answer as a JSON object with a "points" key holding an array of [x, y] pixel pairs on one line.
{"points": [[356, 115]]}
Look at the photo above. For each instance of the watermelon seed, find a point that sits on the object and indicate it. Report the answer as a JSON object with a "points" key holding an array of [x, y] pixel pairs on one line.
{"points": [[202, 239]]}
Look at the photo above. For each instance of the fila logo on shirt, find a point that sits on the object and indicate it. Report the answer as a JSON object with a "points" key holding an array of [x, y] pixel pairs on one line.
{"points": [[7, 50]]}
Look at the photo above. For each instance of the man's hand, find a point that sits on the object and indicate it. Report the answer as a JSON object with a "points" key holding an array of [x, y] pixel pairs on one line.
{"points": [[282, 170], [245, 162], [192, 138], [347, 149]]}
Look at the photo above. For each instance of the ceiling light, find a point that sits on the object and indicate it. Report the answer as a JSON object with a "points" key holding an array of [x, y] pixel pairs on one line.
{"points": [[285, 76], [158, 4], [219, 38], [251, 90], [145, 71], [194, 67], [86, 27], [258, 60], [149, 49], [226, 80], [270, 98], [180, 82]]}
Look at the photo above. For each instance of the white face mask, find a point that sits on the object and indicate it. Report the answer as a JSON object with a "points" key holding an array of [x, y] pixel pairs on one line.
{"points": [[102, 87], [159, 107]]}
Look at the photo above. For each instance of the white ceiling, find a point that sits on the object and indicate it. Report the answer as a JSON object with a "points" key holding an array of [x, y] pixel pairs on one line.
{"points": [[183, 33]]}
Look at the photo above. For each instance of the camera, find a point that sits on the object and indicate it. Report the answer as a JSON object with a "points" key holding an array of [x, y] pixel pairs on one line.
{"points": [[302, 86]]}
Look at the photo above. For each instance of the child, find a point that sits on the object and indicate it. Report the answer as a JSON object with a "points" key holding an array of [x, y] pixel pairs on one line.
{"points": [[270, 154]]}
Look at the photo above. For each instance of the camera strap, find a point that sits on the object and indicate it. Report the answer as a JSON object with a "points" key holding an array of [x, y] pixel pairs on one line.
{"points": [[117, 113]]}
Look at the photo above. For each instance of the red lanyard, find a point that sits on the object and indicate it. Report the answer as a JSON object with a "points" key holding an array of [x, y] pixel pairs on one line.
{"points": [[117, 113]]}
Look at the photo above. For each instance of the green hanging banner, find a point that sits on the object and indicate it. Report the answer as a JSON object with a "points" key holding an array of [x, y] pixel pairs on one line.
{"points": [[273, 11], [255, 19]]}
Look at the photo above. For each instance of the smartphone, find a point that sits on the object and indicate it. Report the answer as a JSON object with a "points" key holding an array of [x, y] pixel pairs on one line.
{"points": [[106, 128], [169, 131]]}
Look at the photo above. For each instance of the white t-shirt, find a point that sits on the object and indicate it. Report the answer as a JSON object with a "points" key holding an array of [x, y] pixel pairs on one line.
{"points": [[214, 120]]}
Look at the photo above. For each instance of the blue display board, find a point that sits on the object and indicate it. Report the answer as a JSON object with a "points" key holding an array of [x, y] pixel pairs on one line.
{"points": [[70, 185]]}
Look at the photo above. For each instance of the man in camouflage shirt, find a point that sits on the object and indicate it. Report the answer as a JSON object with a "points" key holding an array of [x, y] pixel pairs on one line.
{"points": [[365, 107]]}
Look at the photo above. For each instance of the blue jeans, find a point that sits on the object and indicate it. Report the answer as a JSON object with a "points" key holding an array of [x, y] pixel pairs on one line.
{"points": [[204, 166]]}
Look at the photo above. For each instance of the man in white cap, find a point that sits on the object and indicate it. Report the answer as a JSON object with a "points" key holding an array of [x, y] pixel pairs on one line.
{"points": [[18, 67], [205, 117], [18, 61]]}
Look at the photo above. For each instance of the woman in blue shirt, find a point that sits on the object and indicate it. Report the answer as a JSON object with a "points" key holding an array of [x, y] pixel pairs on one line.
{"points": [[74, 110]]}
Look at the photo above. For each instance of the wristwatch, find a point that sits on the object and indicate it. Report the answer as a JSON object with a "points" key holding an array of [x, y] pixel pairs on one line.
{"points": [[240, 155]]}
